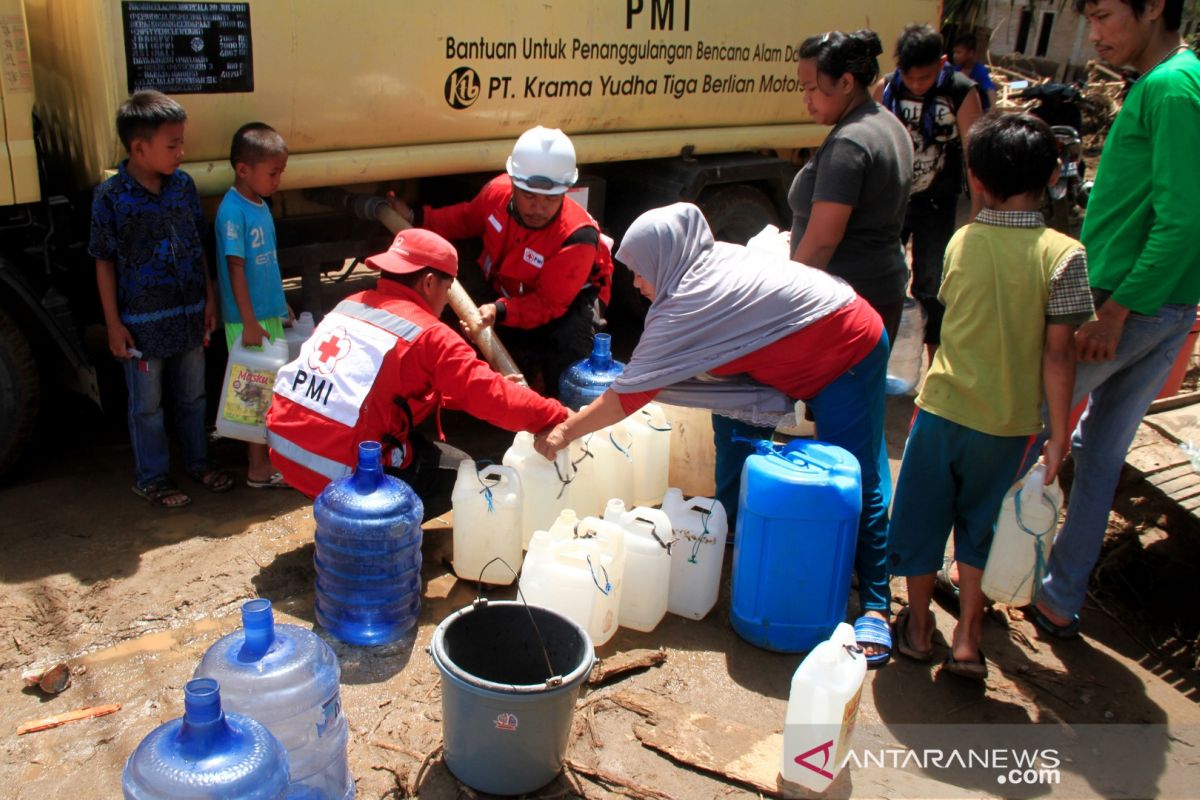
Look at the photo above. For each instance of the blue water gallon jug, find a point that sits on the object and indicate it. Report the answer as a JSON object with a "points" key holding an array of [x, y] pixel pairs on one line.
{"points": [[287, 678], [586, 379], [207, 753], [368, 554], [797, 525]]}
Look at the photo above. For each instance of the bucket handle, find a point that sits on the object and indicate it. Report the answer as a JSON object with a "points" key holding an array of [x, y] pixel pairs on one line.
{"points": [[481, 602]]}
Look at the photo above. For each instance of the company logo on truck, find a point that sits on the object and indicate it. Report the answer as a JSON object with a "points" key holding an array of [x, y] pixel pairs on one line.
{"points": [[462, 88]]}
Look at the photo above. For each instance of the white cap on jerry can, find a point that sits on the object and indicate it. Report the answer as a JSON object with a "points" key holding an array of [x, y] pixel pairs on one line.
{"points": [[543, 161]]}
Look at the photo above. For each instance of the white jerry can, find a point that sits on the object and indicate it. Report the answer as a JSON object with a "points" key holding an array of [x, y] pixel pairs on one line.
{"points": [[822, 709]]}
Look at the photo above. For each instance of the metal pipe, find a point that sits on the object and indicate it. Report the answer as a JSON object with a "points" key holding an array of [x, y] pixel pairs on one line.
{"points": [[368, 207], [348, 167]]}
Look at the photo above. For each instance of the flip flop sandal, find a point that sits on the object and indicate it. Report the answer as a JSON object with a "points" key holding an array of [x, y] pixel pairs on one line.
{"points": [[160, 494], [216, 481], [903, 643], [276, 481], [870, 630], [1068, 631], [971, 670]]}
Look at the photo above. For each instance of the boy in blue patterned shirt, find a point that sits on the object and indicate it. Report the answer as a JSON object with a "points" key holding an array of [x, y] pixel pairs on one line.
{"points": [[252, 301], [155, 292]]}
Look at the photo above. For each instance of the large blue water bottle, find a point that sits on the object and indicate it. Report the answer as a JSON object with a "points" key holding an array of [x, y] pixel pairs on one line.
{"points": [[368, 554], [586, 379], [207, 753], [797, 526], [287, 678]]}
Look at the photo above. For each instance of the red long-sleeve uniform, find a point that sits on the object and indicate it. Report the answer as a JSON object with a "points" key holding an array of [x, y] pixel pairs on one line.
{"points": [[537, 272], [377, 365]]}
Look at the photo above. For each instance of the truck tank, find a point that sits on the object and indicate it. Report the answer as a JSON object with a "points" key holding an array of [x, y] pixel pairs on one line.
{"points": [[366, 91]]}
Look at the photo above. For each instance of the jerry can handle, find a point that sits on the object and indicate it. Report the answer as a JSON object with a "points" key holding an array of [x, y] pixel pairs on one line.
{"points": [[807, 458], [654, 532]]}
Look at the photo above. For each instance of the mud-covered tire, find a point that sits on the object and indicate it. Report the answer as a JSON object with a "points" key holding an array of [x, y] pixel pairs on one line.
{"points": [[736, 212], [19, 391]]}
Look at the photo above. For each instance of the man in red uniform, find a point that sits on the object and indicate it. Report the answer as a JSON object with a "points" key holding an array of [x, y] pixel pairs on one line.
{"points": [[381, 363], [548, 268]]}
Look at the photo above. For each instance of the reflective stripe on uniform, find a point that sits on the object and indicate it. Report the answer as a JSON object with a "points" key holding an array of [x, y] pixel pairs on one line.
{"points": [[408, 331], [306, 458]]}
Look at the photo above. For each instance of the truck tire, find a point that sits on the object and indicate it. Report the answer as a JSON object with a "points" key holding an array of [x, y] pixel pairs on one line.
{"points": [[737, 212], [19, 389]]}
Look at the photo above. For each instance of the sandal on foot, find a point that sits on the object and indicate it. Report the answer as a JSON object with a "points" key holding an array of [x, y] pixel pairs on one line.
{"points": [[216, 481], [1068, 631], [276, 481], [904, 644], [971, 670], [869, 630], [942, 581], [164, 494]]}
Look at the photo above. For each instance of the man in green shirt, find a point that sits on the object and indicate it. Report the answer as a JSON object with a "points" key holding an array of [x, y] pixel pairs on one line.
{"points": [[1144, 270]]}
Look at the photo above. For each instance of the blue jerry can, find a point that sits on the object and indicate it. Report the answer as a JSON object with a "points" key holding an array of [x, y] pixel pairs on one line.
{"points": [[796, 530]]}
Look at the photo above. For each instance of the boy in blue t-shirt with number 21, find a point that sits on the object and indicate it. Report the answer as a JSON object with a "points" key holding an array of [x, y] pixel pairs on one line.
{"points": [[252, 301]]}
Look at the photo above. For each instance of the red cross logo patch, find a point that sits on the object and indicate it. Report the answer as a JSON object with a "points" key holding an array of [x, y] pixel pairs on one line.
{"points": [[328, 350]]}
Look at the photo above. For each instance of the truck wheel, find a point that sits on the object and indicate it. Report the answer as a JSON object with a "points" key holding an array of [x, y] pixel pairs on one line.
{"points": [[19, 388], [736, 213]]}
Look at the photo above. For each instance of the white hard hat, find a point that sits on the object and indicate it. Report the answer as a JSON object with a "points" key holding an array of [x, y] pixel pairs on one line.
{"points": [[543, 161]]}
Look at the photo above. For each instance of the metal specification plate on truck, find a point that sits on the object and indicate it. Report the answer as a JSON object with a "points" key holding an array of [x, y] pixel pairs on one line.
{"points": [[188, 48]]}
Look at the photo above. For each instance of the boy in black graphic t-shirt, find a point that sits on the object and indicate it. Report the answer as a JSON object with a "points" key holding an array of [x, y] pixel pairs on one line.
{"points": [[938, 106]]}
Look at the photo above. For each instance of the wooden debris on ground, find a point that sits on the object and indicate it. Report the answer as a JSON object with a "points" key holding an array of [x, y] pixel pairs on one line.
{"points": [[621, 664], [1099, 100], [616, 783], [91, 712], [729, 750]]}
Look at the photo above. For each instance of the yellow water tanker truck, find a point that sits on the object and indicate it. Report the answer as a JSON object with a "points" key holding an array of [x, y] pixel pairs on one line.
{"points": [[665, 100]]}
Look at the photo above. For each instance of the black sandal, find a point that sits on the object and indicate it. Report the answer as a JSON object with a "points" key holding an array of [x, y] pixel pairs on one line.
{"points": [[216, 481], [161, 494]]}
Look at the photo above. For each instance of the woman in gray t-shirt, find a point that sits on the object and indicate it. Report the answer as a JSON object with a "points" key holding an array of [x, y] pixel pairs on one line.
{"points": [[850, 198]]}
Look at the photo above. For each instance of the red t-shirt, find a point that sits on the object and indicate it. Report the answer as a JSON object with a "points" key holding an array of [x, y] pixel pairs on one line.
{"points": [[803, 363]]}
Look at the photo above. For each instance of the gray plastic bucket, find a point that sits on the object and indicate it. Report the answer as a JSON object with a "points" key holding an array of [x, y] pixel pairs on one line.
{"points": [[508, 692]]}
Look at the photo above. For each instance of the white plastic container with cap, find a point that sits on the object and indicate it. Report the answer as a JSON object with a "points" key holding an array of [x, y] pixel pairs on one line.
{"points": [[544, 484], [651, 450], [1024, 535], [822, 708], [247, 389], [699, 527], [487, 523], [645, 582], [302, 328]]}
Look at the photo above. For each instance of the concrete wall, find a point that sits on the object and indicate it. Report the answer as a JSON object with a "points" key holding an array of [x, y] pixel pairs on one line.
{"points": [[1069, 48]]}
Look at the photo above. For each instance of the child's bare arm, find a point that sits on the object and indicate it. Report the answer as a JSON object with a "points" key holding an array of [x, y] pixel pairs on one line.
{"points": [[252, 332], [119, 337], [1058, 374]]}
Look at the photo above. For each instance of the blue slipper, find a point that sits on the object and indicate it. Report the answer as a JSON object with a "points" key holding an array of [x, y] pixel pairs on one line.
{"points": [[873, 630], [1068, 631]]}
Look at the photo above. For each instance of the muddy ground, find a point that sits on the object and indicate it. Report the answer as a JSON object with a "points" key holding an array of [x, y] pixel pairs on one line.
{"points": [[131, 596]]}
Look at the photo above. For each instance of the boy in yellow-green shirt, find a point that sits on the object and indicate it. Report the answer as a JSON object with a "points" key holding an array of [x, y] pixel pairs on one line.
{"points": [[1014, 292]]}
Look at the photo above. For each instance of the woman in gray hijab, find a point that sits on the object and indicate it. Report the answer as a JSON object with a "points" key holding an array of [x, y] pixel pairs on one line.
{"points": [[747, 334]]}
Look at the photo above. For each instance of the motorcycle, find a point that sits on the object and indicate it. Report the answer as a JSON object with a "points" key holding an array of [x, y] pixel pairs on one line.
{"points": [[1057, 104]]}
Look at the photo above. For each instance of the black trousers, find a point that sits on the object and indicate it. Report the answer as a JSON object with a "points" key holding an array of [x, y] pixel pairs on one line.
{"points": [[549, 349], [431, 473], [930, 223]]}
